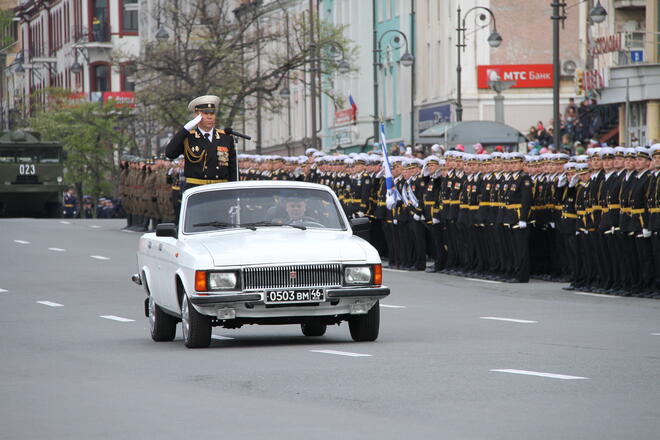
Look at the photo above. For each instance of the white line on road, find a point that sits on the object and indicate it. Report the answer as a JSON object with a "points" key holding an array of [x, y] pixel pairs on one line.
{"points": [[395, 270], [95, 226], [389, 306], [539, 374], [57, 249], [64, 222], [126, 230], [50, 304], [21, 242], [520, 321], [3, 290], [596, 294], [340, 353], [652, 334], [484, 281], [116, 318], [221, 338], [99, 257]]}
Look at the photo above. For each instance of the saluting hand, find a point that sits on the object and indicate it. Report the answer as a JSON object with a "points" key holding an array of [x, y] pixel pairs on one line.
{"points": [[193, 123]]}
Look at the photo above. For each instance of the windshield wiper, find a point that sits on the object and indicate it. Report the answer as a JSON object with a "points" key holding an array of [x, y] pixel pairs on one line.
{"points": [[216, 224], [266, 223]]}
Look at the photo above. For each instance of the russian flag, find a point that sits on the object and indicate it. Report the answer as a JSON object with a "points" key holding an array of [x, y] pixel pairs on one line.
{"points": [[353, 106]]}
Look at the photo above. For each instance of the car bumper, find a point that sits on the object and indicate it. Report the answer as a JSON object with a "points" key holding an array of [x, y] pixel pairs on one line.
{"points": [[256, 298]]}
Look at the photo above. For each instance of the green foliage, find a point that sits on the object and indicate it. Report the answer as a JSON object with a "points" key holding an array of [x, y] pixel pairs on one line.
{"points": [[91, 133]]}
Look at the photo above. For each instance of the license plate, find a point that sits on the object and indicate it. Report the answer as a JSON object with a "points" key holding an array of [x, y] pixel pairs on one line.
{"points": [[293, 296]]}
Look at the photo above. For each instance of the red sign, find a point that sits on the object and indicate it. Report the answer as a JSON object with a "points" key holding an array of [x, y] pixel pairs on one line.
{"points": [[344, 116], [525, 75], [593, 80], [122, 99]]}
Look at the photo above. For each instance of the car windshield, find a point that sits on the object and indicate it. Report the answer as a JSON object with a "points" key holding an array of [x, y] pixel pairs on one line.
{"points": [[254, 208]]}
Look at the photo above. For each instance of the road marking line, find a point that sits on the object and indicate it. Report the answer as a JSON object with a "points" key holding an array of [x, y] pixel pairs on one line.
{"points": [[221, 338], [57, 249], [3, 290], [95, 226], [21, 242], [99, 257], [50, 304], [395, 270], [520, 321], [65, 223], [127, 231], [596, 294], [652, 334], [340, 353], [539, 374], [484, 281], [389, 306], [116, 318]]}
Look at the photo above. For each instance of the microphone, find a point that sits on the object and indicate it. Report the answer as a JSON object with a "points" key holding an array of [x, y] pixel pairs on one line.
{"points": [[228, 130]]}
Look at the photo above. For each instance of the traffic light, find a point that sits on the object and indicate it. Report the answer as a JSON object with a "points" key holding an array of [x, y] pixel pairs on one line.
{"points": [[579, 81]]}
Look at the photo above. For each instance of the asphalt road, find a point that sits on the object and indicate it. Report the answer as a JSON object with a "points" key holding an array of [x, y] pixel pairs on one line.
{"points": [[574, 367]]}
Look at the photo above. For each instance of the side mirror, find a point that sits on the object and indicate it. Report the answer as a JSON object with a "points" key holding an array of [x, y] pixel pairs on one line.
{"points": [[360, 226], [166, 230]]}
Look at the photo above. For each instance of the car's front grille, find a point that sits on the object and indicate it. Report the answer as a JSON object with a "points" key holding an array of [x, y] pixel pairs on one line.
{"points": [[277, 277]]}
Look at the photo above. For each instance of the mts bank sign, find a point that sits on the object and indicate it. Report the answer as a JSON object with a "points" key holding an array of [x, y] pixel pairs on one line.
{"points": [[525, 75]]}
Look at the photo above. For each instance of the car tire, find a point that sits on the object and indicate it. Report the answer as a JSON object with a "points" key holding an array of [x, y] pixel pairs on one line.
{"points": [[161, 325], [365, 327], [313, 328], [196, 327]]}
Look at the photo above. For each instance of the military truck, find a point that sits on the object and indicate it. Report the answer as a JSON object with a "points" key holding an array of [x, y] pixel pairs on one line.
{"points": [[31, 176]]}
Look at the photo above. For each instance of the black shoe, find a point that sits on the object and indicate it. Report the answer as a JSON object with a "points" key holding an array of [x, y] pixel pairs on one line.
{"points": [[432, 269], [569, 288]]}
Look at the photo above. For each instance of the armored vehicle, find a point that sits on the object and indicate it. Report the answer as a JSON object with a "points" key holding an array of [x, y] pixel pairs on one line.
{"points": [[31, 176]]}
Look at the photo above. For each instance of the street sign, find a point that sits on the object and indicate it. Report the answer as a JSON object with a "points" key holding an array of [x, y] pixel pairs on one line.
{"points": [[525, 75], [636, 56]]}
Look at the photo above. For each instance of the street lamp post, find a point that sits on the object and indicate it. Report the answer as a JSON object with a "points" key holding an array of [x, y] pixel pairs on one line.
{"points": [[597, 15], [494, 40], [406, 60]]}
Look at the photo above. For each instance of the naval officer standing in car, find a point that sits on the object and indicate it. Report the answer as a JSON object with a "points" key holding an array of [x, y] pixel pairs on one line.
{"points": [[210, 155]]}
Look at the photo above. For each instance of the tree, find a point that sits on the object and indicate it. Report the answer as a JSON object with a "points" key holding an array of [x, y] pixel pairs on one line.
{"points": [[92, 134], [236, 54]]}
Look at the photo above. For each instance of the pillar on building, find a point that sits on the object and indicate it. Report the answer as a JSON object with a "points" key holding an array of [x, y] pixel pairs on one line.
{"points": [[623, 134], [652, 118]]}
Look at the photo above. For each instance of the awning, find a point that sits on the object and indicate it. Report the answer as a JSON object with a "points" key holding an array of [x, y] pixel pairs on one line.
{"points": [[468, 133]]}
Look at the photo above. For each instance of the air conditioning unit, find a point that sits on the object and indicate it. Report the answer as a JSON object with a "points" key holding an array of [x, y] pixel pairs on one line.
{"points": [[568, 67], [633, 40]]}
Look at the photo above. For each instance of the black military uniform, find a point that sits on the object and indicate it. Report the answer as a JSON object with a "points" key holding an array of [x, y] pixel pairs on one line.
{"points": [[209, 157]]}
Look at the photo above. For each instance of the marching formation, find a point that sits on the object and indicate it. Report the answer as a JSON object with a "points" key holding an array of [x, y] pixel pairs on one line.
{"points": [[592, 219]]}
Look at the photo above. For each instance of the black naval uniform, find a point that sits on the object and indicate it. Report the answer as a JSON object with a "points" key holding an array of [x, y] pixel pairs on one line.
{"points": [[207, 160]]}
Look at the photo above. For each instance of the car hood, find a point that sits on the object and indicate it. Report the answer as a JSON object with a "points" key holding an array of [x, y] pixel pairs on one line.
{"points": [[283, 246]]}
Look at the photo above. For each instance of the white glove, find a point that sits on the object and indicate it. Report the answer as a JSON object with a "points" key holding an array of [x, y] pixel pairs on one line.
{"points": [[416, 217], [360, 214], [436, 221], [646, 233], [613, 229], [573, 182], [193, 123], [552, 225], [522, 224], [395, 221]]}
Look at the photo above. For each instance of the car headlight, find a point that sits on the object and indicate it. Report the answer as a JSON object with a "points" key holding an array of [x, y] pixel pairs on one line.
{"points": [[357, 275], [206, 281], [222, 280]]}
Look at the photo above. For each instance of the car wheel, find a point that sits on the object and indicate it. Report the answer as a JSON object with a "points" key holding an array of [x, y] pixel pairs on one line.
{"points": [[196, 327], [162, 325], [365, 327], [313, 328]]}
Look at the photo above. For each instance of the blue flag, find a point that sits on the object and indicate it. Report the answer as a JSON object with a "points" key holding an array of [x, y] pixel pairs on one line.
{"points": [[393, 195]]}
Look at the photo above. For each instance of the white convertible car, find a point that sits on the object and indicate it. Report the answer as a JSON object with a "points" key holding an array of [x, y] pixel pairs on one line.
{"points": [[259, 253]]}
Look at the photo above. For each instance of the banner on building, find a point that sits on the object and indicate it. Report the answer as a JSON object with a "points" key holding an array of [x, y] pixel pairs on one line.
{"points": [[525, 75], [344, 116], [121, 99], [428, 117]]}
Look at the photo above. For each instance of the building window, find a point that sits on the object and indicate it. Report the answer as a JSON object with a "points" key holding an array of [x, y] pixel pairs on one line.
{"points": [[129, 11], [100, 78], [128, 77], [100, 21]]}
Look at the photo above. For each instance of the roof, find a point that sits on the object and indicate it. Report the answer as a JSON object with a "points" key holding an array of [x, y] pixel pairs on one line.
{"points": [[472, 132]]}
